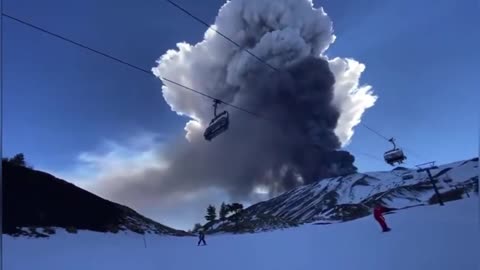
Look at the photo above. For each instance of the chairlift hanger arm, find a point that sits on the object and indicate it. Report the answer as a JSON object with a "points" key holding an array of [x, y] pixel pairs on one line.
{"points": [[215, 105], [392, 140]]}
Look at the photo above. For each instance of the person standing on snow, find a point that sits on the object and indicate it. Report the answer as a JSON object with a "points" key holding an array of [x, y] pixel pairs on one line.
{"points": [[201, 238], [378, 215]]}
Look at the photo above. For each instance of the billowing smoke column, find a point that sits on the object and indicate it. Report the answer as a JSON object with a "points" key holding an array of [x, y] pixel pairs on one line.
{"points": [[308, 106]]}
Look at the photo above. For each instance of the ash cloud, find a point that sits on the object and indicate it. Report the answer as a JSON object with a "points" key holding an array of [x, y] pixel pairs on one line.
{"points": [[312, 105]]}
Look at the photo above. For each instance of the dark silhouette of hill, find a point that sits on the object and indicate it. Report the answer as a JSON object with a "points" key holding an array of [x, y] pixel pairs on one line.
{"points": [[34, 199]]}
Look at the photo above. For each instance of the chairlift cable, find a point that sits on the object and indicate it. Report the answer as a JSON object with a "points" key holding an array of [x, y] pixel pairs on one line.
{"points": [[163, 78], [203, 22], [122, 62], [176, 5]]}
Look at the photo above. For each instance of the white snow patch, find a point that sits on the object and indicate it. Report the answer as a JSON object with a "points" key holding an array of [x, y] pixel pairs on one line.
{"points": [[430, 237]]}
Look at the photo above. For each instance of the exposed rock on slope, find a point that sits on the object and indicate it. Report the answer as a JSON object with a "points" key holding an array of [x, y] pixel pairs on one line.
{"points": [[350, 197]]}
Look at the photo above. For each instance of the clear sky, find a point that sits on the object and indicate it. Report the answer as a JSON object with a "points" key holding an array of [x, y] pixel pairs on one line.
{"points": [[61, 101]]}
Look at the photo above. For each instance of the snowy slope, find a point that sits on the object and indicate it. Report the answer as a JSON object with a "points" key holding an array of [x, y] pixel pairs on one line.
{"points": [[350, 197], [430, 237]]}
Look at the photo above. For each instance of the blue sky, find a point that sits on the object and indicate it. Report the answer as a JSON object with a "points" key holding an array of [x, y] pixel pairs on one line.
{"points": [[60, 101]]}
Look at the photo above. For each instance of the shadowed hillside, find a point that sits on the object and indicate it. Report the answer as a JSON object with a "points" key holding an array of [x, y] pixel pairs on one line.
{"points": [[35, 201]]}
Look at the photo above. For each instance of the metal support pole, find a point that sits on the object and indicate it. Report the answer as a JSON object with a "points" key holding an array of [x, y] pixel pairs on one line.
{"points": [[434, 187], [2, 185], [465, 190], [215, 105], [427, 169]]}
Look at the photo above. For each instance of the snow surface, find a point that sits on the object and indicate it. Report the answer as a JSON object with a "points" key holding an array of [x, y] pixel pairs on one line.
{"points": [[427, 237], [313, 202]]}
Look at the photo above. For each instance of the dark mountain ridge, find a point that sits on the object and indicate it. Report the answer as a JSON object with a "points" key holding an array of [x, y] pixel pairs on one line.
{"points": [[34, 200]]}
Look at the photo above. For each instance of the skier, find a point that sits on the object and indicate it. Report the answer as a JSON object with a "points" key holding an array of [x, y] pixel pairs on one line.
{"points": [[378, 215], [201, 238]]}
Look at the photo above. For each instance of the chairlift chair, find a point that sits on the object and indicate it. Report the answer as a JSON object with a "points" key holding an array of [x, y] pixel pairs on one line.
{"points": [[218, 125], [395, 155]]}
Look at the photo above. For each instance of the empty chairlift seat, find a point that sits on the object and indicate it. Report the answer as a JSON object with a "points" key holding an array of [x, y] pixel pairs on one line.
{"points": [[218, 125], [395, 155]]}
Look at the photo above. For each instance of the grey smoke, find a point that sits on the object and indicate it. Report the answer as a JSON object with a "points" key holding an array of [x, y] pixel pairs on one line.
{"points": [[292, 143], [309, 107]]}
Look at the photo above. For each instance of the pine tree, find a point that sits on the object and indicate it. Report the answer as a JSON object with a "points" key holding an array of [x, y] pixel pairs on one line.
{"points": [[211, 213], [19, 160], [197, 227], [223, 211], [236, 207]]}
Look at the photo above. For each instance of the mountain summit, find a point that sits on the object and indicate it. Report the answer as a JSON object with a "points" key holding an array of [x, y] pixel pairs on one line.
{"points": [[351, 197]]}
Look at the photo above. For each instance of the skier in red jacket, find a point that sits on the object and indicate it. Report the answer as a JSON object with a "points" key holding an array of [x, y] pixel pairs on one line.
{"points": [[378, 215]]}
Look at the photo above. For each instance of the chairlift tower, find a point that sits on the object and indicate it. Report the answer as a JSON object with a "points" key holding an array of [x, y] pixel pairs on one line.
{"points": [[426, 167]]}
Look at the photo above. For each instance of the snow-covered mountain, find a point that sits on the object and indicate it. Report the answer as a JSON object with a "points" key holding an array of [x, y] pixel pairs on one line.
{"points": [[350, 197]]}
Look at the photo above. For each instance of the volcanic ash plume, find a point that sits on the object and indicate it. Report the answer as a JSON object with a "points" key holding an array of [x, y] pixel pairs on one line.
{"points": [[308, 105]]}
